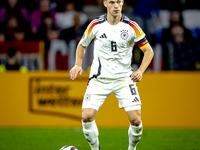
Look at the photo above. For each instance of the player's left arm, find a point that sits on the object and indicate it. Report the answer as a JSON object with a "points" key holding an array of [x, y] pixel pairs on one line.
{"points": [[148, 55]]}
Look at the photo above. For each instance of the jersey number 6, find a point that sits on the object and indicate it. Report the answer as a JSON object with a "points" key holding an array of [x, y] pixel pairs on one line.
{"points": [[113, 46]]}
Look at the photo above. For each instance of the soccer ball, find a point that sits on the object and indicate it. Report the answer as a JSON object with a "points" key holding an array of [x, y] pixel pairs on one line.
{"points": [[68, 148]]}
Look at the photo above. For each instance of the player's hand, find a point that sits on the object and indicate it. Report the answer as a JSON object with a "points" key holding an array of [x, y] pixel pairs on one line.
{"points": [[136, 76], [74, 71]]}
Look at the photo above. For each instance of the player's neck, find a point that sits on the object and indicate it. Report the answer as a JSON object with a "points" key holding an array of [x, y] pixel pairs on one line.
{"points": [[113, 20]]}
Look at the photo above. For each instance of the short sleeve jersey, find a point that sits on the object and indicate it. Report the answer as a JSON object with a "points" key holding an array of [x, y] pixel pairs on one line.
{"points": [[113, 45]]}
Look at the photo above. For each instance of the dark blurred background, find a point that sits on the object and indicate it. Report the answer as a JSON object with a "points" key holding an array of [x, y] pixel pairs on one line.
{"points": [[172, 27]]}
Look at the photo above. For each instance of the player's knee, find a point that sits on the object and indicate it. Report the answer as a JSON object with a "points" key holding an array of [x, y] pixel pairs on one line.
{"points": [[88, 116], [135, 121], [134, 117], [86, 119]]}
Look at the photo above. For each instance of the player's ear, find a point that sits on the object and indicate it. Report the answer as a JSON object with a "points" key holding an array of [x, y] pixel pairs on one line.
{"points": [[105, 3]]}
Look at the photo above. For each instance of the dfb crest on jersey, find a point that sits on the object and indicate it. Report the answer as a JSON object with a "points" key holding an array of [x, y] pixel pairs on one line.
{"points": [[87, 97], [124, 34]]}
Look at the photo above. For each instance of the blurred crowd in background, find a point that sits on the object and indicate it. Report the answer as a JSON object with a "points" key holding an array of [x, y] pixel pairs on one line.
{"points": [[171, 26]]}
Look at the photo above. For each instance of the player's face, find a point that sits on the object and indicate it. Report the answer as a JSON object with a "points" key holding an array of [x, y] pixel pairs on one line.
{"points": [[114, 7]]}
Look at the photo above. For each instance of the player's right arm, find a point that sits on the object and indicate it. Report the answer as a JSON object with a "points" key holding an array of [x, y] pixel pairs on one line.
{"points": [[80, 52]]}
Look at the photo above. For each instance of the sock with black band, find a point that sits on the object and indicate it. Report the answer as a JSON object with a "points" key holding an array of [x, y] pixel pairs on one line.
{"points": [[134, 134], [91, 134]]}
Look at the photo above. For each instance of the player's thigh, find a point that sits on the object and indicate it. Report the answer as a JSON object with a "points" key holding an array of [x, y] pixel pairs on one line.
{"points": [[134, 117], [95, 94], [127, 94], [88, 114]]}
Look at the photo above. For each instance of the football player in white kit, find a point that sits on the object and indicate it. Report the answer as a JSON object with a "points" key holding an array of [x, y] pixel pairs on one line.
{"points": [[114, 36]]}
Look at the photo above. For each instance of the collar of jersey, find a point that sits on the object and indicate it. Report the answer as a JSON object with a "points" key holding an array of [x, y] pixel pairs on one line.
{"points": [[120, 19]]}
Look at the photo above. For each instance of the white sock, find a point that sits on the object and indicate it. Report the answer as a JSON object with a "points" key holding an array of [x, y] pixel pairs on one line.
{"points": [[91, 134], [134, 134]]}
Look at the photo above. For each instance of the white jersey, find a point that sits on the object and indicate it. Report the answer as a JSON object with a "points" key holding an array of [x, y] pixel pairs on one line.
{"points": [[113, 45]]}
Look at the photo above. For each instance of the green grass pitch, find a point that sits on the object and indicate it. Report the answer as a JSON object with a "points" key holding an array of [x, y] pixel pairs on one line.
{"points": [[110, 139]]}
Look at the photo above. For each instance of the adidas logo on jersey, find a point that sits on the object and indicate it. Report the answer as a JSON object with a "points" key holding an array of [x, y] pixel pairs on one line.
{"points": [[103, 36]]}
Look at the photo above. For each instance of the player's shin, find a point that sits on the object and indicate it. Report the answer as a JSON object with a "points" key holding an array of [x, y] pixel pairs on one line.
{"points": [[91, 134], [134, 134]]}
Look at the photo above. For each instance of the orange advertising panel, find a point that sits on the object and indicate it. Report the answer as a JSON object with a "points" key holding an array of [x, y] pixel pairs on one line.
{"points": [[41, 99], [51, 99], [56, 96]]}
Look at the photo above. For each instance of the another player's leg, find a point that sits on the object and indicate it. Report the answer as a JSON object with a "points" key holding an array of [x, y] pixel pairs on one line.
{"points": [[135, 128], [90, 129]]}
